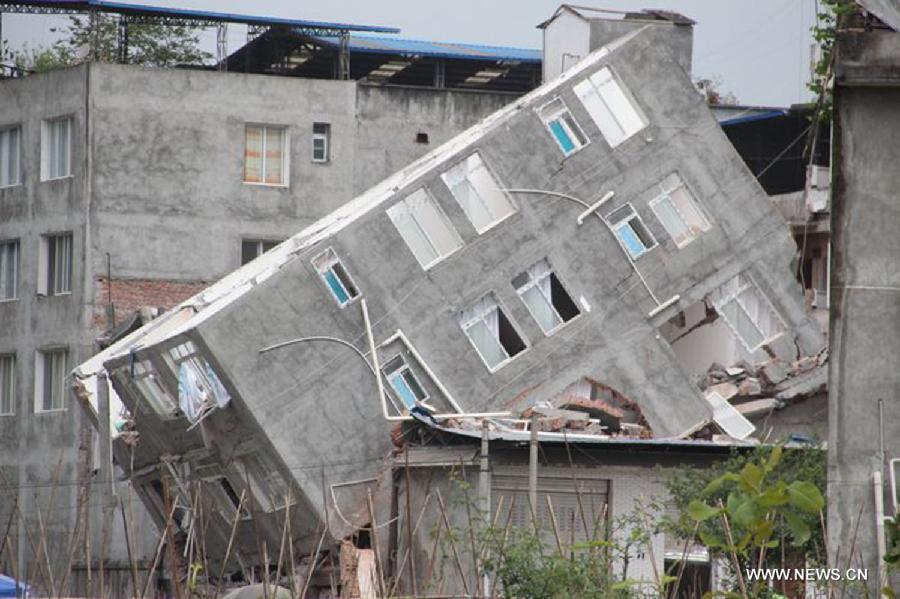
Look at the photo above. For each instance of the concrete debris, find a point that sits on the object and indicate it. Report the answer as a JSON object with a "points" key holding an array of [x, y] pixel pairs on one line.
{"points": [[757, 407]]}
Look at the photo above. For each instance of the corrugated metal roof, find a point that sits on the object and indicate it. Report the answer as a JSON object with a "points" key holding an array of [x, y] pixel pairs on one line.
{"points": [[193, 15], [406, 47]]}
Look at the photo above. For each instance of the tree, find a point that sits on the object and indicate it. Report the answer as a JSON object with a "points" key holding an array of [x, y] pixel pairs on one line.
{"points": [[41, 59], [711, 88], [148, 44]]}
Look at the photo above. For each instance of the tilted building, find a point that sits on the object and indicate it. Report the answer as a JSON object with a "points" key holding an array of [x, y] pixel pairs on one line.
{"points": [[554, 247]]}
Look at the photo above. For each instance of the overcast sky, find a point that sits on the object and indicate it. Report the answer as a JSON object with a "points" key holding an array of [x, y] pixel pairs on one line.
{"points": [[759, 49]]}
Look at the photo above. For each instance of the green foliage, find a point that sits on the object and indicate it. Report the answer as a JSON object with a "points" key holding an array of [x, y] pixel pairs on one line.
{"points": [[787, 484], [41, 59], [824, 33]]}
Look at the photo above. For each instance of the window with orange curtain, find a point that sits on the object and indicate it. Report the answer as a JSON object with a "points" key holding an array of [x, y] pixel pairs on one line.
{"points": [[264, 155]]}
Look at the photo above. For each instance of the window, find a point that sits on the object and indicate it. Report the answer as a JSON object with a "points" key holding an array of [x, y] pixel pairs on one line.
{"points": [[50, 380], [547, 300], [321, 142], [631, 231], [9, 156], [55, 276], [336, 277], [748, 313], [404, 382], [56, 148], [677, 210], [9, 269], [425, 228], [200, 390], [562, 126], [491, 332], [154, 393], [254, 248], [7, 384], [265, 155], [478, 193], [611, 106]]}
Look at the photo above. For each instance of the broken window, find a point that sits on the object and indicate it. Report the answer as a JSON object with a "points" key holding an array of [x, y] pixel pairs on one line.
{"points": [[265, 155], [152, 390], [265, 481], [230, 501], [332, 271], [321, 142], [611, 106], [631, 231], [562, 126], [547, 300], [478, 193], [254, 248], [677, 210], [55, 265], [491, 332], [403, 381], [9, 156], [7, 384], [425, 228], [50, 380], [199, 387], [9, 269], [56, 143], [748, 313]]}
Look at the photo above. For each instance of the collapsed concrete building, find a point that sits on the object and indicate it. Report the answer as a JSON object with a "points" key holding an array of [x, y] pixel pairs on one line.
{"points": [[547, 258]]}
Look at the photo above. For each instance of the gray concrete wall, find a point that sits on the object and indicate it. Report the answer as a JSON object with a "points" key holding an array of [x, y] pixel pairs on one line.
{"points": [[865, 305]]}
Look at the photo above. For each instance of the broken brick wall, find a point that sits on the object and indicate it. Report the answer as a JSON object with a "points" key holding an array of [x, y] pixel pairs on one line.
{"points": [[130, 295]]}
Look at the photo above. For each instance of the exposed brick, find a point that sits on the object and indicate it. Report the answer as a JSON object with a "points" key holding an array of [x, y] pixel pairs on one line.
{"points": [[130, 295]]}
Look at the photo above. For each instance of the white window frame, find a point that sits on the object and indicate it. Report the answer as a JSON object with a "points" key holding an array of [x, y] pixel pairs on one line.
{"points": [[7, 384], [325, 138], [495, 218], [407, 204], [745, 281], [259, 247], [533, 282], [285, 155], [5, 244], [570, 126], [47, 146], [322, 270], [44, 286], [665, 194], [626, 222], [467, 324], [41, 357], [10, 157], [594, 86], [400, 372], [153, 391]]}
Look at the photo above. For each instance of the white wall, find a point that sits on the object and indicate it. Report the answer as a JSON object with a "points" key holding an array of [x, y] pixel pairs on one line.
{"points": [[566, 41]]}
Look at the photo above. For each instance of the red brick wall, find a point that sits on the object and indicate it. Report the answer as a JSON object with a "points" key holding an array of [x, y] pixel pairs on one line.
{"points": [[130, 295]]}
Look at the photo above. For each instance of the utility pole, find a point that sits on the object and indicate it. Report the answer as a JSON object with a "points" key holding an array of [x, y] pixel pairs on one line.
{"points": [[532, 468]]}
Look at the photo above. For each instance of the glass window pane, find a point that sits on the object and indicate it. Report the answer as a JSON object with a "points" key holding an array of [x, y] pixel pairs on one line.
{"points": [[671, 220], [412, 234], [274, 164], [402, 388], [541, 309], [744, 327], [414, 385], [599, 112], [344, 278], [336, 288], [435, 224], [621, 107], [253, 155], [630, 239], [562, 137], [687, 206], [486, 186], [472, 204], [486, 342]]}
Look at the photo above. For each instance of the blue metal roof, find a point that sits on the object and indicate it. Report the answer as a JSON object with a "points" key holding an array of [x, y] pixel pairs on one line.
{"points": [[770, 114], [191, 14], [405, 47]]}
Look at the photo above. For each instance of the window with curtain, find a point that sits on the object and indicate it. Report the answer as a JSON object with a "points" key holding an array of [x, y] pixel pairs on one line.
{"points": [[478, 193], [610, 106], [403, 381], [545, 297], [7, 384], [9, 269], [491, 332], [634, 236], [265, 155], [747, 312], [9, 156], [59, 264], [336, 277], [56, 148], [677, 210], [562, 126], [50, 380], [425, 228]]}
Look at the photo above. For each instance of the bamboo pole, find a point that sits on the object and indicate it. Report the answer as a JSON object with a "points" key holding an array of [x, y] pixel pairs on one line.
{"points": [[462, 574], [234, 526], [374, 538]]}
